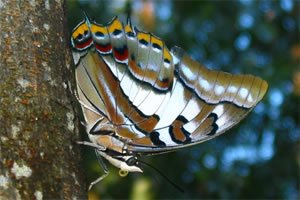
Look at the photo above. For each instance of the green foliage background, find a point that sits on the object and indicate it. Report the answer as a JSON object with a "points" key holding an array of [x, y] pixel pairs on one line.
{"points": [[260, 157]]}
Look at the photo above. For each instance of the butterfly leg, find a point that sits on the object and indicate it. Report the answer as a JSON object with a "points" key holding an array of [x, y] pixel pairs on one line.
{"points": [[106, 172], [96, 146]]}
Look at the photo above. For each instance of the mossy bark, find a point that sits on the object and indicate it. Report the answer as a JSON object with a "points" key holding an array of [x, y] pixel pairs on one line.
{"points": [[38, 157]]}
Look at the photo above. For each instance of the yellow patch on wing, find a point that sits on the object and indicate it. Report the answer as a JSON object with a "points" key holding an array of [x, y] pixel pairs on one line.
{"points": [[128, 28], [157, 41], [115, 25], [143, 36], [167, 55], [80, 30], [96, 28]]}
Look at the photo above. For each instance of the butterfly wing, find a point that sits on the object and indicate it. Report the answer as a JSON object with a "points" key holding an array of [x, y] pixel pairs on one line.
{"points": [[203, 104], [155, 100]]}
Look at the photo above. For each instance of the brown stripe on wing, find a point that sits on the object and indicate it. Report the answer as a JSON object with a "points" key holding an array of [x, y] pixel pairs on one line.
{"points": [[143, 141], [244, 91], [231, 117], [108, 87], [177, 133], [145, 123], [207, 127], [106, 83], [142, 122], [205, 111], [147, 63], [211, 84], [231, 114], [164, 84], [220, 87], [126, 132], [138, 72]]}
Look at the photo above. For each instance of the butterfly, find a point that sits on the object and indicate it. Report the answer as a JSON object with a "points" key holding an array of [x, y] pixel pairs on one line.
{"points": [[140, 98]]}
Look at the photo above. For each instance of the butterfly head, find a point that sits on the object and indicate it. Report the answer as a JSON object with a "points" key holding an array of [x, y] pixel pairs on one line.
{"points": [[126, 163], [130, 164]]}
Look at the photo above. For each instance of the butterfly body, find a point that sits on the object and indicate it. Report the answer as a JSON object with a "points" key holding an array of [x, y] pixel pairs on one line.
{"points": [[139, 98]]}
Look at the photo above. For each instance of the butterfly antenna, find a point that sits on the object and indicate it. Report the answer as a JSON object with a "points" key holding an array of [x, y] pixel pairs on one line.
{"points": [[163, 175], [128, 21], [86, 17], [128, 9]]}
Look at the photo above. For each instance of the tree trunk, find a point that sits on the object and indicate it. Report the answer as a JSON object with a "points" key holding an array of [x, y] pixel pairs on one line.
{"points": [[38, 157]]}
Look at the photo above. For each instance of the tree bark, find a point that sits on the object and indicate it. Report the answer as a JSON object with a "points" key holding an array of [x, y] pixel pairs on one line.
{"points": [[38, 157]]}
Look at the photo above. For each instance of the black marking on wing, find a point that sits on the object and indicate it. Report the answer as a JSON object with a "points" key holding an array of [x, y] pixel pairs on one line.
{"points": [[164, 80], [99, 34], [154, 137], [131, 34], [117, 32], [79, 37], [146, 117], [100, 132], [132, 56], [214, 125], [193, 91], [142, 82], [143, 42], [156, 46], [121, 53], [121, 50], [167, 61], [141, 114], [186, 134]]}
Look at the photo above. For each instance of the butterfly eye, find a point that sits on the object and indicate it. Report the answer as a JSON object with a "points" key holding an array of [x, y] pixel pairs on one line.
{"points": [[131, 161]]}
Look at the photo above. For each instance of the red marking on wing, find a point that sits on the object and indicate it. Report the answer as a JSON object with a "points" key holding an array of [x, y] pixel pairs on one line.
{"points": [[104, 48], [85, 44], [121, 56]]}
